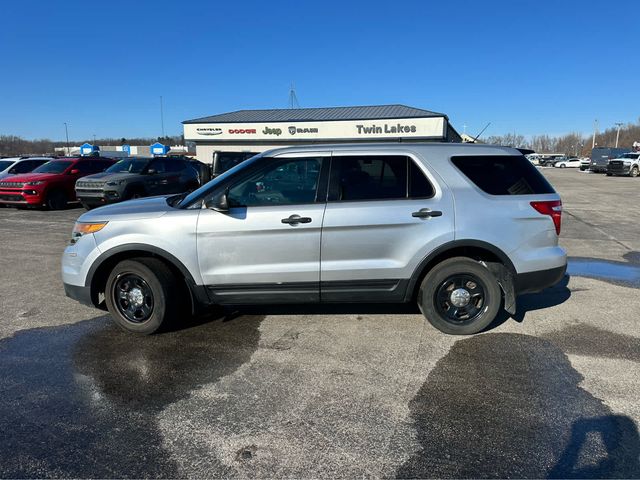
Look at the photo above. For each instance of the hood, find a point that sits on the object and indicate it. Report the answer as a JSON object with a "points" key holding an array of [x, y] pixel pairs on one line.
{"points": [[103, 177], [31, 177], [150, 207]]}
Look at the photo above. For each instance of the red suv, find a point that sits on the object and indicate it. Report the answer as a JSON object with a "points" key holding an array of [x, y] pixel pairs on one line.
{"points": [[50, 185]]}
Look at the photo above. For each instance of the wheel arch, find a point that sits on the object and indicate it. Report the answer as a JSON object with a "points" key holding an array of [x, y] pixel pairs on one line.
{"points": [[97, 275], [136, 186], [495, 259]]}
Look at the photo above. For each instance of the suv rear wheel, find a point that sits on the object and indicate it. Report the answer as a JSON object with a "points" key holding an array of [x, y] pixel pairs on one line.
{"points": [[459, 296], [634, 171], [140, 295]]}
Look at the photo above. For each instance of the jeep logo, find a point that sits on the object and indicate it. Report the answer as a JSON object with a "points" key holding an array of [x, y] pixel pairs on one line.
{"points": [[272, 131]]}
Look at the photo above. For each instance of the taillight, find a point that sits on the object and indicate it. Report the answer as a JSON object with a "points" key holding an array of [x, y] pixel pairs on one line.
{"points": [[553, 208]]}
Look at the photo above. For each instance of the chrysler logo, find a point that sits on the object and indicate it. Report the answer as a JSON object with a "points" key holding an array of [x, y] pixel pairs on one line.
{"points": [[209, 131]]}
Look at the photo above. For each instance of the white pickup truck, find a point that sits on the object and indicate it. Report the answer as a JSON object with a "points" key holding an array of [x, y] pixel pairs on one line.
{"points": [[627, 164]]}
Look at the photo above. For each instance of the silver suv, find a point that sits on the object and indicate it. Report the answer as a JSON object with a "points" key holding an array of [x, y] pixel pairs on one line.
{"points": [[459, 229]]}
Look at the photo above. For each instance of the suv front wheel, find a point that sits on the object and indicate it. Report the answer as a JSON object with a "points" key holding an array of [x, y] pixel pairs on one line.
{"points": [[460, 296], [141, 295]]}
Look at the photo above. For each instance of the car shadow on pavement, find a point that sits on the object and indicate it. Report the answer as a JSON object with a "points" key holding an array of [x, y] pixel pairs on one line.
{"points": [[510, 406], [82, 400], [324, 309]]}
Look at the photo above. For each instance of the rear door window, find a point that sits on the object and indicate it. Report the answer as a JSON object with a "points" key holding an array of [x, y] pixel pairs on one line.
{"points": [[503, 174], [377, 178], [27, 166]]}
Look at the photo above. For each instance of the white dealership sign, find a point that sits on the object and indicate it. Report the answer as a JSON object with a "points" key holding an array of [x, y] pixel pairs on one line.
{"points": [[433, 127]]}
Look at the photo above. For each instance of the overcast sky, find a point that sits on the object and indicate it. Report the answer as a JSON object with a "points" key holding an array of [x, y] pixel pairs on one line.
{"points": [[528, 67]]}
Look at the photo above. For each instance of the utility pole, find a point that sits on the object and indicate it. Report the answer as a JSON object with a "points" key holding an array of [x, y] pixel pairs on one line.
{"points": [[161, 116], [595, 131], [66, 132], [618, 124]]}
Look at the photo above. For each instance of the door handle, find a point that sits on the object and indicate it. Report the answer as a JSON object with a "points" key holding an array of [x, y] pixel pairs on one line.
{"points": [[426, 213], [296, 219]]}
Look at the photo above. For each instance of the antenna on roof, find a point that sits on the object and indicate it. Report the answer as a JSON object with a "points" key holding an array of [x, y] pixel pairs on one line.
{"points": [[293, 98], [481, 132]]}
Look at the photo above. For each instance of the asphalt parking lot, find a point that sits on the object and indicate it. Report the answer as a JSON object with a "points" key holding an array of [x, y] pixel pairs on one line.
{"points": [[359, 391]]}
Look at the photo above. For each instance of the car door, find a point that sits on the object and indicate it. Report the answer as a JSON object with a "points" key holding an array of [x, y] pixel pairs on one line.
{"points": [[174, 181], [156, 181], [266, 247], [385, 214]]}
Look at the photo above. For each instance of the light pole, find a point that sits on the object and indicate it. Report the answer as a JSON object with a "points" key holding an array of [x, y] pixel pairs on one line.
{"points": [[66, 132], [618, 124], [595, 130], [161, 117]]}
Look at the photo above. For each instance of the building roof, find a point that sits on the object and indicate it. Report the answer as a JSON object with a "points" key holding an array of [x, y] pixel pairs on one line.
{"points": [[374, 112]]}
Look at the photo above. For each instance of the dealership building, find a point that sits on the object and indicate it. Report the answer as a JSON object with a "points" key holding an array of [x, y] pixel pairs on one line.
{"points": [[234, 136]]}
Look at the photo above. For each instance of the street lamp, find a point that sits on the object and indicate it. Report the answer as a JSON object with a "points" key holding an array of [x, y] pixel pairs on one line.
{"points": [[66, 132]]}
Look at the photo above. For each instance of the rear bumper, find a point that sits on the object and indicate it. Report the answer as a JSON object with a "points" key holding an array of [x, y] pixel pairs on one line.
{"points": [[532, 282], [80, 294]]}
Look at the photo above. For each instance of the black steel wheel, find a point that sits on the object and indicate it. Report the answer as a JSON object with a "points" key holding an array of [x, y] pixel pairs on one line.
{"points": [[460, 296], [142, 295], [133, 297]]}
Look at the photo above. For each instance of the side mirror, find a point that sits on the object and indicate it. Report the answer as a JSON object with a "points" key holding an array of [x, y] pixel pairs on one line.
{"points": [[152, 171], [219, 203], [74, 171]]}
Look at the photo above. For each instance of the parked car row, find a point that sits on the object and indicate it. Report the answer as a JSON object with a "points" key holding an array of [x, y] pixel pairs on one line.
{"points": [[612, 161], [53, 183]]}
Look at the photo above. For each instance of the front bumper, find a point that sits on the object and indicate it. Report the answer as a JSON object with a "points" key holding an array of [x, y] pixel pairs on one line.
{"points": [[25, 196], [619, 169], [101, 197], [532, 282]]}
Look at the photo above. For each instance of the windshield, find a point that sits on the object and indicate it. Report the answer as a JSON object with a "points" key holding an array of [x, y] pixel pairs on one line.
{"points": [[196, 194], [4, 164], [626, 155], [57, 166], [129, 166]]}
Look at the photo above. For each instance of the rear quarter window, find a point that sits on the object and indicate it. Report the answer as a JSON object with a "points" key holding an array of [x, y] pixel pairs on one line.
{"points": [[503, 174]]}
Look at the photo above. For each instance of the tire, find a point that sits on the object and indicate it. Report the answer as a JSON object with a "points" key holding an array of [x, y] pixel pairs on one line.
{"points": [[134, 193], [460, 274], [562, 165], [634, 171], [87, 206], [56, 200], [156, 303]]}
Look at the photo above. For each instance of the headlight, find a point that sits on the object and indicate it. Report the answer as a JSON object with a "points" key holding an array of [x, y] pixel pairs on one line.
{"points": [[36, 182], [115, 183], [627, 163], [80, 229]]}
